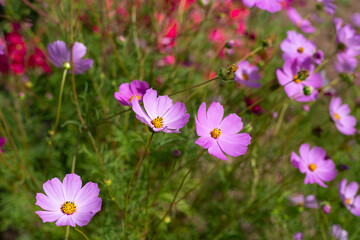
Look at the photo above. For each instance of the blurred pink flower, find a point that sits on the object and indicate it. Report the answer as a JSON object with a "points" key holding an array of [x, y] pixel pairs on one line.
{"points": [[268, 5], [348, 196], [247, 74], [303, 24], [302, 201], [339, 113], [314, 164], [136, 89]]}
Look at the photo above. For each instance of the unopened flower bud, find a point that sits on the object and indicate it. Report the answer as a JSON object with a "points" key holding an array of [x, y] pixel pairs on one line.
{"points": [[308, 90], [326, 208], [227, 73], [67, 65]]}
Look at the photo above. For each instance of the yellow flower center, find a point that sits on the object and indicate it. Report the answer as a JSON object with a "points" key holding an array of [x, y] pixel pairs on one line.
{"points": [[158, 122], [301, 204], [137, 97], [245, 76], [68, 208], [336, 116], [296, 79], [233, 68], [215, 133], [312, 167], [300, 50], [347, 201]]}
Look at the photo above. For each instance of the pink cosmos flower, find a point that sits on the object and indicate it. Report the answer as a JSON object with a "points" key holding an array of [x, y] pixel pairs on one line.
{"points": [[298, 236], [328, 6], [314, 164], [128, 91], [160, 112], [302, 201], [2, 143], [348, 196], [303, 24], [268, 5], [220, 135], [346, 38], [340, 115], [247, 74], [299, 81], [356, 19], [339, 233], [67, 203], [60, 56], [296, 46]]}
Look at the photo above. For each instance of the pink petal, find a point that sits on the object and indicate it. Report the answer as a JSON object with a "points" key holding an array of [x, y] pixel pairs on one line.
{"points": [[79, 51], [140, 114], [216, 151], [351, 190], [215, 114], [46, 203], [150, 103], [164, 103], [91, 206], [82, 218], [87, 194], [65, 220], [72, 185], [54, 190], [201, 130], [316, 153], [231, 124], [205, 142], [202, 117], [49, 216], [234, 145]]}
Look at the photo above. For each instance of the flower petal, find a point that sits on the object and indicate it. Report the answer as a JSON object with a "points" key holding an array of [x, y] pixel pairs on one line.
{"points": [[49, 216], [46, 203], [215, 114], [65, 220], [72, 184], [231, 124], [54, 190], [87, 194], [216, 151]]}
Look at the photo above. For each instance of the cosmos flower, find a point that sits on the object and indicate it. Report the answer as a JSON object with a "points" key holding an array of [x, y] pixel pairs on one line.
{"points": [[345, 63], [128, 91], [346, 38], [296, 46], [160, 112], [314, 164], [302, 201], [299, 81], [340, 115], [348, 196], [60, 56], [326, 208], [268, 5], [247, 74], [356, 19], [339, 233], [67, 203], [303, 24], [2, 143], [298, 236], [327, 5], [220, 135]]}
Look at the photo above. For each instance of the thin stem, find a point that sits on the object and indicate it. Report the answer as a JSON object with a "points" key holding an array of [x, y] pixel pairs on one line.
{"points": [[67, 232], [251, 53], [75, 152], [179, 188], [201, 182], [84, 235], [195, 86], [62, 84], [131, 180]]}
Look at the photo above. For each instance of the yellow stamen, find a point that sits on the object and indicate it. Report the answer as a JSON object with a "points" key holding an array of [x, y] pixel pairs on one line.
{"points": [[158, 122], [215, 133], [68, 208], [301, 204], [312, 167], [336, 116], [347, 201], [245, 76], [233, 68], [300, 50], [137, 97]]}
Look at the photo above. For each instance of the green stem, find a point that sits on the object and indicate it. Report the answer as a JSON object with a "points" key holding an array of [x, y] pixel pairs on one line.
{"points": [[179, 188], [131, 180], [57, 117], [84, 235], [67, 232], [195, 86]]}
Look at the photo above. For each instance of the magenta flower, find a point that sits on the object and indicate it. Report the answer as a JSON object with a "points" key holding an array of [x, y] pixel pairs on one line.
{"points": [[220, 135], [328, 6], [302, 201], [303, 24], [298, 236], [299, 81], [268, 5], [314, 164], [60, 56], [161, 114], [2, 143], [318, 57], [348, 196], [346, 38], [356, 19], [340, 115], [326, 208], [247, 74], [339, 233], [296, 46], [345, 62], [67, 203], [128, 91]]}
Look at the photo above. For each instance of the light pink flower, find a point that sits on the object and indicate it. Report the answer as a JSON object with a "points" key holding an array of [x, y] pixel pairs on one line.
{"points": [[220, 135], [160, 112], [67, 203], [340, 115]]}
